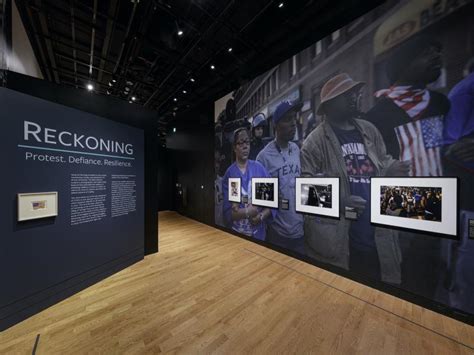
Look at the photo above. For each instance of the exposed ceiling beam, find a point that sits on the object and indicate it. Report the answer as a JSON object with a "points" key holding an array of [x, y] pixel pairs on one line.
{"points": [[49, 46], [109, 28], [73, 36]]}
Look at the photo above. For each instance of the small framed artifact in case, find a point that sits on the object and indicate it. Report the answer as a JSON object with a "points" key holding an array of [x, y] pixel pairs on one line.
{"points": [[37, 205], [234, 190]]}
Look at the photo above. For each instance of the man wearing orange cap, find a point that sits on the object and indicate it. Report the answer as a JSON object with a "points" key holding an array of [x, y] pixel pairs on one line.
{"points": [[346, 146]]}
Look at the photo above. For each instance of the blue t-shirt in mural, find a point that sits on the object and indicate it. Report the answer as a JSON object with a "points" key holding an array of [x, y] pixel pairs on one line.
{"points": [[254, 169], [359, 169]]}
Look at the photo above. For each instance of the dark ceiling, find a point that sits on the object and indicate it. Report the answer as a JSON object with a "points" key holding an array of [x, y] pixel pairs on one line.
{"points": [[131, 48]]}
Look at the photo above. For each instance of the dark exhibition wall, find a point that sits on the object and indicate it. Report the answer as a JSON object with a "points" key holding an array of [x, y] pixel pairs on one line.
{"points": [[368, 134], [79, 201], [191, 168]]}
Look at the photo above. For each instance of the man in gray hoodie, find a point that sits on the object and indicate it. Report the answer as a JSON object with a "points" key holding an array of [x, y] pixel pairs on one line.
{"points": [[352, 149]]}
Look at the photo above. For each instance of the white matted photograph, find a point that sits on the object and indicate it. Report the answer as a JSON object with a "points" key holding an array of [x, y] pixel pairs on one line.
{"points": [[265, 192], [319, 196], [37, 205], [427, 204], [234, 190]]}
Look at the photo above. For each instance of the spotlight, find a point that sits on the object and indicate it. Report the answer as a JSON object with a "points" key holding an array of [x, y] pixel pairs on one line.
{"points": [[229, 50], [114, 81], [90, 87], [281, 5], [180, 33], [213, 67], [192, 80], [174, 129], [133, 98], [184, 91], [175, 99]]}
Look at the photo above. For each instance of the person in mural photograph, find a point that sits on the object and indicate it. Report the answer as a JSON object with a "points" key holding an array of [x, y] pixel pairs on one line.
{"points": [[408, 114], [346, 146], [244, 217], [257, 143], [281, 158], [412, 119], [459, 161]]}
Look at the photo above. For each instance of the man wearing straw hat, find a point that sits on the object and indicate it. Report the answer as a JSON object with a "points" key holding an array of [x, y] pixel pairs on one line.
{"points": [[345, 146]]}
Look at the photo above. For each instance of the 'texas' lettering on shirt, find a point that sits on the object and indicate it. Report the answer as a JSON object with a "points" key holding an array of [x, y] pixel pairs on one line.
{"points": [[287, 169]]}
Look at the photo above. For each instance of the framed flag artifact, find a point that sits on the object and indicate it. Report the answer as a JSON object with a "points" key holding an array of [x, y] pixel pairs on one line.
{"points": [[37, 205]]}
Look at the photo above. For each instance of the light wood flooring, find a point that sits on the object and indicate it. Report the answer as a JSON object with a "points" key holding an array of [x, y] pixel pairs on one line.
{"points": [[208, 291]]}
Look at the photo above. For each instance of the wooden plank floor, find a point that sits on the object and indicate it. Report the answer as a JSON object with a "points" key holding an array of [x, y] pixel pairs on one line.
{"points": [[207, 291]]}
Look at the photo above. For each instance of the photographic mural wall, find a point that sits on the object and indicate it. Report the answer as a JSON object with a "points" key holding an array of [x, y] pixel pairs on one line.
{"points": [[391, 94]]}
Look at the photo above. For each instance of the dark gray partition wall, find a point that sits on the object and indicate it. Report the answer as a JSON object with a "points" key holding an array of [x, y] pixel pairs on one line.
{"points": [[105, 175]]}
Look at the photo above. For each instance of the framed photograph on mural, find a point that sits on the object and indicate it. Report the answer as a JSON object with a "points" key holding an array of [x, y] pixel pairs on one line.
{"points": [[428, 204], [319, 196], [265, 192], [234, 190], [37, 205]]}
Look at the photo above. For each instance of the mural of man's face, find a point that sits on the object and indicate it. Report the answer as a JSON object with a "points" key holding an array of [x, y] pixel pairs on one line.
{"points": [[344, 106], [286, 127], [426, 67], [258, 132]]}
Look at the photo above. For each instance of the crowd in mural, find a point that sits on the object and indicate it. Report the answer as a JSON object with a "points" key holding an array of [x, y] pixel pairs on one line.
{"points": [[411, 202], [411, 130]]}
